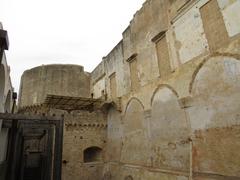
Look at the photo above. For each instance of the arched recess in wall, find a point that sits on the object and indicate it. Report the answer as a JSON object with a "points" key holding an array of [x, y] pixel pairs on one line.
{"points": [[93, 154], [7, 107], [135, 140], [214, 115], [2, 87], [114, 134], [169, 130]]}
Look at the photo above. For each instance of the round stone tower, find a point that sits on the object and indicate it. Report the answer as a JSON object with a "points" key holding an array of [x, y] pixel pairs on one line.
{"points": [[56, 79]]}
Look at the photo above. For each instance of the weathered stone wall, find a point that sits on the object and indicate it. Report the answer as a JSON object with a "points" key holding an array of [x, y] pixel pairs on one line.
{"points": [[6, 88], [64, 80], [114, 135], [6, 103], [112, 63], [83, 130], [181, 122], [176, 73], [137, 37], [98, 80]]}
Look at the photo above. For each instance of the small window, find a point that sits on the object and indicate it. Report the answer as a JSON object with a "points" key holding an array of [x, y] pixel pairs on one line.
{"points": [[135, 83], [8, 103], [214, 26], [162, 54], [92, 154], [102, 92], [113, 85]]}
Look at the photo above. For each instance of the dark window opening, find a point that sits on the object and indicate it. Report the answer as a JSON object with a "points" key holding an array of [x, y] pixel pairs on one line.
{"points": [[93, 154]]}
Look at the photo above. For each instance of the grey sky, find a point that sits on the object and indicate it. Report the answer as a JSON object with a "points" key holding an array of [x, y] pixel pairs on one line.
{"points": [[63, 31]]}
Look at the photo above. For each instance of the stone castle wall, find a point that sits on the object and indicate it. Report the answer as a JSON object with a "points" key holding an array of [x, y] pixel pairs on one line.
{"points": [[82, 129], [172, 88], [56, 79], [176, 71]]}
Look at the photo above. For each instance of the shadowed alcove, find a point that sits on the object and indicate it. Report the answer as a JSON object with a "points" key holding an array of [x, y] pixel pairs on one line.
{"points": [[92, 154]]}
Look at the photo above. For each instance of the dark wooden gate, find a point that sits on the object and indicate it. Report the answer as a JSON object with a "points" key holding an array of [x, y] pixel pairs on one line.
{"points": [[34, 147]]}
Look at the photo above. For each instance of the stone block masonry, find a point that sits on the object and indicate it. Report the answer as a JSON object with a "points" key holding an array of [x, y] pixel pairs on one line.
{"points": [[169, 92]]}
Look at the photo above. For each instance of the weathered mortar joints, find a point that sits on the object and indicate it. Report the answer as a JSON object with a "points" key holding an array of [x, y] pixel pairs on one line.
{"points": [[169, 95]]}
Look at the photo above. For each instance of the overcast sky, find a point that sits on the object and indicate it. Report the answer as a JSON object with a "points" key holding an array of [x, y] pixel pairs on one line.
{"points": [[63, 31]]}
